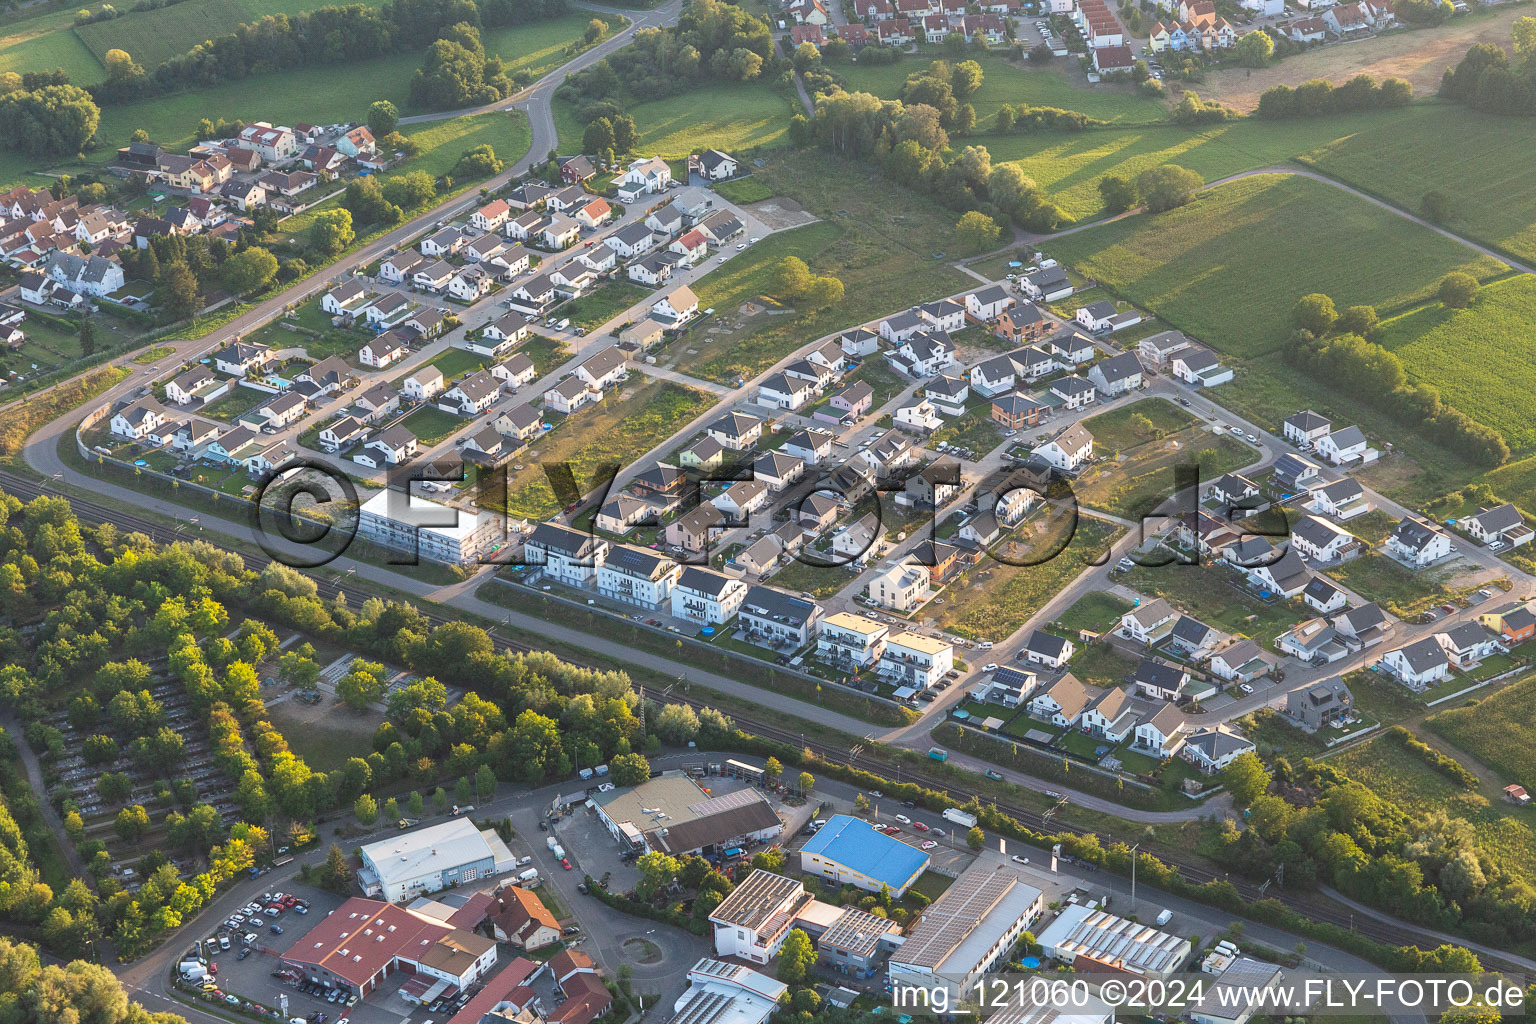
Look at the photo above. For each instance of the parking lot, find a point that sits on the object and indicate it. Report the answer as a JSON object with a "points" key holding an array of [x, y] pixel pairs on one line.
{"points": [[252, 977]]}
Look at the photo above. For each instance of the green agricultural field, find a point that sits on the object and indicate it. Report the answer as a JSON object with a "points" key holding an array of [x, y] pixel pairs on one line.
{"points": [[731, 117], [1488, 170], [1069, 165], [874, 237], [1397, 775], [1467, 354], [1483, 728], [42, 42], [618, 430], [539, 47], [1228, 268], [1004, 81], [152, 37]]}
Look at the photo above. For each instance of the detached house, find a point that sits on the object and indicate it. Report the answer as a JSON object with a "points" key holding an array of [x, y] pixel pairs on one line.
{"points": [[1418, 542], [1117, 375], [1418, 666], [1069, 450], [1497, 527]]}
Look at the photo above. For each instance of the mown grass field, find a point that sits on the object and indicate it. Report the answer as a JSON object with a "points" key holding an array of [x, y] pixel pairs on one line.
{"points": [[151, 37], [1395, 774], [1468, 354], [1069, 165], [1228, 267], [1114, 430], [616, 431], [1006, 82], [1485, 728], [731, 117], [1097, 610], [1484, 163], [44, 41], [874, 237], [993, 599]]}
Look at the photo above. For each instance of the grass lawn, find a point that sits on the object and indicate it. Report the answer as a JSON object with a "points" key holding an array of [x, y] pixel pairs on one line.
{"points": [[1489, 171], [235, 404], [1403, 593], [1004, 81], [731, 117], [1466, 354], [1146, 476], [1269, 239], [876, 238], [309, 327], [993, 599], [932, 884], [1206, 593], [431, 425], [877, 373], [1097, 610], [817, 580], [975, 430], [1393, 773], [1484, 728], [603, 303], [45, 41], [744, 190], [1103, 665], [546, 353], [617, 431], [456, 362], [1115, 429], [1069, 165]]}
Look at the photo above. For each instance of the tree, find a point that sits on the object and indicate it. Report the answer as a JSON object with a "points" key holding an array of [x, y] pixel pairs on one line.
{"points": [[383, 118], [597, 29], [335, 875], [825, 290], [463, 792], [56, 120], [414, 803], [1118, 193], [1314, 313], [391, 810], [772, 769], [1254, 49], [657, 870], [1359, 320], [1524, 33], [791, 278], [965, 120], [629, 769], [366, 809], [87, 335], [677, 724], [476, 163], [976, 232], [796, 958], [132, 823], [362, 685], [861, 803], [178, 292], [440, 799], [332, 231], [1245, 778], [1435, 206], [248, 270], [964, 79], [598, 136], [1167, 187], [805, 783], [1458, 289], [975, 838], [485, 783], [364, 199], [410, 190]]}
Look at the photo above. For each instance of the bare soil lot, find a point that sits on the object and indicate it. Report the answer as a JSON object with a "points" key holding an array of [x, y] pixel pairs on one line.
{"points": [[1420, 56]]}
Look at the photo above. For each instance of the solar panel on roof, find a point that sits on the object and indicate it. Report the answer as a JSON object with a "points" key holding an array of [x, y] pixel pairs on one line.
{"points": [[1010, 676]]}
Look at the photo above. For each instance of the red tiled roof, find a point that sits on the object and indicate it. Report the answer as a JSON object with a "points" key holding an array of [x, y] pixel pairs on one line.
{"points": [[587, 998], [502, 986]]}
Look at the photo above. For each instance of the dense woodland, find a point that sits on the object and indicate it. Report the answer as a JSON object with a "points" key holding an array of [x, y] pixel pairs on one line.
{"points": [[1490, 80]]}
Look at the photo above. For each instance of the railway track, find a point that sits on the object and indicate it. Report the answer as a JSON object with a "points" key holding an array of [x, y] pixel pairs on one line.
{"points": [[1381, 931]]}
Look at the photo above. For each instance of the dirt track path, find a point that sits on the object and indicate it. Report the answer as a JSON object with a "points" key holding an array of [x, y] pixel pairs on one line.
{"points": [[1420, 56]]}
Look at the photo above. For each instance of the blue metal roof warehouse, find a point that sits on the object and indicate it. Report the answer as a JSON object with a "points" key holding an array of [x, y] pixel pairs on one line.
{"points": [[849, 849]]}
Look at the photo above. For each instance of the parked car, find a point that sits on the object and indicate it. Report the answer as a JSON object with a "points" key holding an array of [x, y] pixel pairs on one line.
{"points": [[903, 819], [929, 844]]}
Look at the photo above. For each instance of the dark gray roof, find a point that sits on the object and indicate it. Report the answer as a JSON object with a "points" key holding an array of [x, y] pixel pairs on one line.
{"points": [[1047, 645], [1308, 421], [704, 581], [778, 605], [1424, 654], [1155, 673]]}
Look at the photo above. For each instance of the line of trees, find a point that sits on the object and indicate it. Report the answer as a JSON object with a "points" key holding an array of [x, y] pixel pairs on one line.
{"points": [[1334, 348], [1319, 96]]}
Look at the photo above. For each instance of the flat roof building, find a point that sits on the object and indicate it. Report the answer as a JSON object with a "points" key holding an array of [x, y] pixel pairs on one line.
{"points": [[672, 814], [406, 522], [1096, 939], [722, 993], [849, 850], [753, 920], [966, 931], [432, 858]]}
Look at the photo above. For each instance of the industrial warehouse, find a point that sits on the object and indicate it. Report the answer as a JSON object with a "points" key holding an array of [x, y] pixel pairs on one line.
{"points": [[673, 814]]}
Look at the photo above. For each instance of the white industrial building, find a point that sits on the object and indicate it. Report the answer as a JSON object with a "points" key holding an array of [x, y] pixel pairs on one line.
{"points": [[1091, 938], [966, 931], [433, 858], [722, 993]]}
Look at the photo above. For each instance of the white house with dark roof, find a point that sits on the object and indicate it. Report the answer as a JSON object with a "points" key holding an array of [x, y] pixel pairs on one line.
{"points": [[1321, 541], [781, 391], [859, 342], [1117, 374], [570, 556], [813, 444], [1344, 499], [1417, 542], [1419, 665], [1240, 662], [1212, 748], [472, 395], [989, 303], [571, 394], [777, 470], [1046, 284], [1199, 367], [1069, 450], [1048, 649], [1342, 447], [1306, 428], [1159, 680], [736, 431], [638, 576], [1074, 391], [1324, 596], [1502, 525], [1149, 622], [707, 597]]}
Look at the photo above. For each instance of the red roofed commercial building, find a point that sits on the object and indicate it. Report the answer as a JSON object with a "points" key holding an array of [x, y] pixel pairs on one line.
{"points": [[364, 941], [506, 992]]}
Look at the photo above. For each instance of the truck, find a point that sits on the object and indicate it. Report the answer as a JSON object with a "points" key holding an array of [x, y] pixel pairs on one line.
{"points": [[585, 773], [552, 842], [964, 819], [601, 769], [558, 851], [1164, 917], [938, 753], [193, 971]]}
